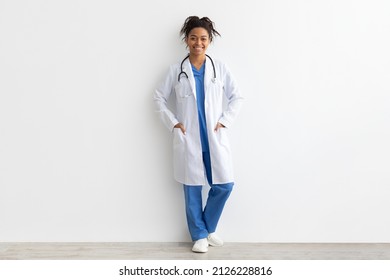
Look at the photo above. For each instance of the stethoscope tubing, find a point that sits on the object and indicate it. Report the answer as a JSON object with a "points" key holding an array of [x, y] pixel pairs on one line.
{"points": [[182, 72]]}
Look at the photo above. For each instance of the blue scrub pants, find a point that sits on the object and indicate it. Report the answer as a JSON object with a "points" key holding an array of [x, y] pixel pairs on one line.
{"points": [[201, 221]]}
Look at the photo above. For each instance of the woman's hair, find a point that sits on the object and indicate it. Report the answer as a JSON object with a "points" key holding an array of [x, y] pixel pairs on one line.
{"points": [[194, 21]]}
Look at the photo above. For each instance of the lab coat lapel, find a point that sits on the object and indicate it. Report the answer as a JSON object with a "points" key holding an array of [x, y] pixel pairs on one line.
{"points": [[209, 74], [188, 69]]}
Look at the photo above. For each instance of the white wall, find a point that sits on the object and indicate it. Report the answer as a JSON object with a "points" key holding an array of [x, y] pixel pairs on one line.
{"points": [[83, 157]]}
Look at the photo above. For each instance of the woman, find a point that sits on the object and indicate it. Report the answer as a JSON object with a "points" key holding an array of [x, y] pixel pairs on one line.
{"points": [[200, 145]]}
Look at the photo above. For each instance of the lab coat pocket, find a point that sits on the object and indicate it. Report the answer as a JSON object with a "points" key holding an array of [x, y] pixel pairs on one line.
{"points": [[183, 91], [222, 137], [178, 137], [178, 154]]}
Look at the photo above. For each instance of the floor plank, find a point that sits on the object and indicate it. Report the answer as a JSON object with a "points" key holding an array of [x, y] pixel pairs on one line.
{"points": [[182, 251]]}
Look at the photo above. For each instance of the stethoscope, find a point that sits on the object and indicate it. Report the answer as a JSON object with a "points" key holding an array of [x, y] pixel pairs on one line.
{"points": [[185, 74]]}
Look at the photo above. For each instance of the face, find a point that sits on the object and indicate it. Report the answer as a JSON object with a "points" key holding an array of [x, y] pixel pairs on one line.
{"points": [[198, 40]]}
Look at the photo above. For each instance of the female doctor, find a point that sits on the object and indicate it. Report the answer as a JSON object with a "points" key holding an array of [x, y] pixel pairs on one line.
{"points": [[201, 150]]}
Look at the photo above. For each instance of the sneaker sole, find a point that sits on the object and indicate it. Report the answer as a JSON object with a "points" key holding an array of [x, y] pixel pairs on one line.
{"points": [[199, 251], [215, 245]]}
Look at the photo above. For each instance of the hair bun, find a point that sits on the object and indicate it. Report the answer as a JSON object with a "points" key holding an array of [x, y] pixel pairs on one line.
{"points": [[193, 22]]}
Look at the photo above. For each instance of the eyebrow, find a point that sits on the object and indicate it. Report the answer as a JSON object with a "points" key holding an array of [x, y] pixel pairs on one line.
{"points": [[203, 36]]}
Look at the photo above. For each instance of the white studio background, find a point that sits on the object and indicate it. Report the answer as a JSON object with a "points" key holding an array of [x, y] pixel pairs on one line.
{"points": [[83, 156]]}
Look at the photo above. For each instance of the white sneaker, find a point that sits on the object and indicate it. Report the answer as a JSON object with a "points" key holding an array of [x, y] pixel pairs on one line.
{"points": [[214, 240], [200, 246]]}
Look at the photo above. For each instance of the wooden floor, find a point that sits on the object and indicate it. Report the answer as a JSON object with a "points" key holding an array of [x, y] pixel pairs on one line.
{"points": [[182, 251]]}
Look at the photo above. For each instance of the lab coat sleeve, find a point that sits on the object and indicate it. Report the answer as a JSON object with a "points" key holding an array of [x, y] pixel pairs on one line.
{"points": [[234, 98], [161, 96]]}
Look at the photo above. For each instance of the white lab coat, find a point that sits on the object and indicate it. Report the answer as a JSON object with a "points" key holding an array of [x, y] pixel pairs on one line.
{"points": [[187, 149]]}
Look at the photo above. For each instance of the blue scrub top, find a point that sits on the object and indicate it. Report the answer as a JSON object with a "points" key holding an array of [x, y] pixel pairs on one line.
{"points": [[200, 96]]}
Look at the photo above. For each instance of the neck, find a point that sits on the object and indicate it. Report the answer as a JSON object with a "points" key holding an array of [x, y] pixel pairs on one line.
{"points": [[197, 60]]}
